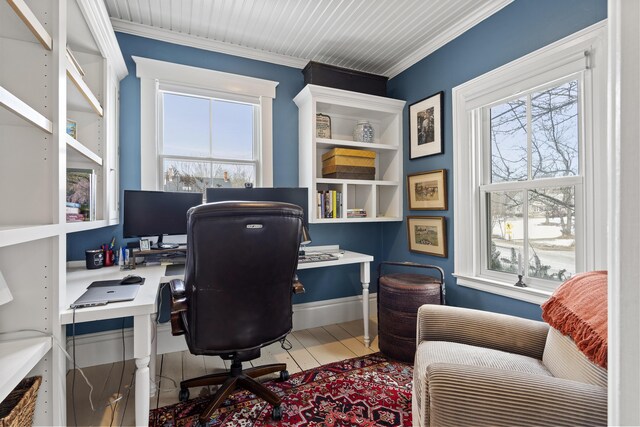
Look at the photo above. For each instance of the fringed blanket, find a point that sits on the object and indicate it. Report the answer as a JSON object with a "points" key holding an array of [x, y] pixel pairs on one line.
{"points": [[578, 308]]}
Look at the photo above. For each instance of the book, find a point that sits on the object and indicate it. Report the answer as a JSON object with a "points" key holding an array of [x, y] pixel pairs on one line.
{"points": [[81, 189], [73, 210], [73, 205]]}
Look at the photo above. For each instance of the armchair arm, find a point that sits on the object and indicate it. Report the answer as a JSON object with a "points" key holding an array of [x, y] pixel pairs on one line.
{"points": [[472, 395], [178, 306], [481, 328]]}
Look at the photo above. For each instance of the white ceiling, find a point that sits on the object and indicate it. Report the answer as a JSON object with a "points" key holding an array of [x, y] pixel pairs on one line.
{"points": [[376, 36]]}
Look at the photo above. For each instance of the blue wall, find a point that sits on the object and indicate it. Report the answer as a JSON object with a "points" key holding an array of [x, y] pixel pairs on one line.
{"points": [[518, 29]]}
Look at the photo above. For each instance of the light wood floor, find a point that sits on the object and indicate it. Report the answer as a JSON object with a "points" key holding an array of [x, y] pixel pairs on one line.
{"points": [[310, 348]]}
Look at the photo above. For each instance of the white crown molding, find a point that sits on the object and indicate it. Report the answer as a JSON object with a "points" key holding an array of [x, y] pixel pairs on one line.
{"points": [[95, 12], [452, 32], [204, 43]]}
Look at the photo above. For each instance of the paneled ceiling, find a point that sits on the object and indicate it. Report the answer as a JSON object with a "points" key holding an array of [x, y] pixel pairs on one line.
{"points": [[376, 36]]}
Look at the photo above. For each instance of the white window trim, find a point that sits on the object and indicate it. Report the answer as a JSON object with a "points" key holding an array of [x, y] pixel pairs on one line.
{"points": [[587, 48], [156, 74]]}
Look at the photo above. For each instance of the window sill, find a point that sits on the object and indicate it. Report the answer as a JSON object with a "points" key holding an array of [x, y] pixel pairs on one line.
{"points": [[531, 295]]}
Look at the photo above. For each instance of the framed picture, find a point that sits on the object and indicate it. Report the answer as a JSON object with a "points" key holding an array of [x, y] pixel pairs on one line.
{"points": [[145, 245], [427, 235], [425, 126], [428, 190], [323, 126], [72, 129]]}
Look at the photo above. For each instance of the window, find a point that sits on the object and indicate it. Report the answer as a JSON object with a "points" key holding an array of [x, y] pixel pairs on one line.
{"points": [[528, 162], [202, 128], [205, 142]]}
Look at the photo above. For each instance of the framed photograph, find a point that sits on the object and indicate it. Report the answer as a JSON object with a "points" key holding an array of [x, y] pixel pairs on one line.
{"points": [[72, 129], [428, 190], [145, 245], [425, 126], [427, 235], [323, 126]]}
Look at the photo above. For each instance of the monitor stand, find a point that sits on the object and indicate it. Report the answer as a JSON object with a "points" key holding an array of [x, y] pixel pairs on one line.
{"points": [[161, 245]]}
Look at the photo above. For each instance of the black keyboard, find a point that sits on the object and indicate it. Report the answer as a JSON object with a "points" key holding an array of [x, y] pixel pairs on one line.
{"points": [[316, 258]]}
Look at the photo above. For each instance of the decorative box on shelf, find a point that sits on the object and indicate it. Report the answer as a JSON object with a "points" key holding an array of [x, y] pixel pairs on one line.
{"points": [[346, 163]]}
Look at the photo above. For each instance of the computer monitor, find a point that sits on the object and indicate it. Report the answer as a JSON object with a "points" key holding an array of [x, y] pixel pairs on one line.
{"points": [[296, 196], [157, 213]]}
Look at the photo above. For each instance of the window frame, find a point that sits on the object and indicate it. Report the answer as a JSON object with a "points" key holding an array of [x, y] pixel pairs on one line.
{"points": [[158, 75], [583, 53]]}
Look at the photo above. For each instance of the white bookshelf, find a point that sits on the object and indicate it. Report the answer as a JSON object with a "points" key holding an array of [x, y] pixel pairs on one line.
{"points": [[39, 89], [381, 197], [18, 358]]}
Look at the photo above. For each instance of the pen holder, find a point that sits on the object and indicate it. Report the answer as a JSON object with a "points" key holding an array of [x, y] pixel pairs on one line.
{"points": [[108, 258]]}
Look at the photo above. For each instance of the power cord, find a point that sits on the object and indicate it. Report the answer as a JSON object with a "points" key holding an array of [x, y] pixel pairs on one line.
{"points": [[285, 344]]}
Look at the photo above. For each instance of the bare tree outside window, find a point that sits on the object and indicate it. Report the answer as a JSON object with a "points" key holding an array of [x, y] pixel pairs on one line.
{"points": [[533, 138]]}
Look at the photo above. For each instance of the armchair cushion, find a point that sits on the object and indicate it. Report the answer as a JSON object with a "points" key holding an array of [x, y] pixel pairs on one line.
{"points": [[461, 396], [434, 352]]}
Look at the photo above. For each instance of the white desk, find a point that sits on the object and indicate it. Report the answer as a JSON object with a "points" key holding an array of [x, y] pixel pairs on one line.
{"points": [[365, 277], [143, 310]]}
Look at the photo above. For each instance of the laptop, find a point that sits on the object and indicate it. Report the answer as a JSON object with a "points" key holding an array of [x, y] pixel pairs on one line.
{"points": [[102, 295]]}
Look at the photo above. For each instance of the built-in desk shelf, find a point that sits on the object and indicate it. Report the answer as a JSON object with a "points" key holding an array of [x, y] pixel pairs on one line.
{"points": [[74, 227], [82, 89], [17, 234], [81, 149], [16, 106], [33, 24], [17, 358]]}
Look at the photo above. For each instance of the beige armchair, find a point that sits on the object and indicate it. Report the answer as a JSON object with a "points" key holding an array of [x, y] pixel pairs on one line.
{"points": [[475, 368]]}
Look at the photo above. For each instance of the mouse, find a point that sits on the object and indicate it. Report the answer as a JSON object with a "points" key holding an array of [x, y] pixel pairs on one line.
{"points": [[131, 279]]}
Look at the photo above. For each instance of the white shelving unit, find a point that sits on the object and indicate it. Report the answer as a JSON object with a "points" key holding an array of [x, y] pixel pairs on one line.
{"points": [[39, 90], [382, 197]]}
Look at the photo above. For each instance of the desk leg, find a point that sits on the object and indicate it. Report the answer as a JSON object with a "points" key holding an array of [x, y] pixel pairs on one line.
{"points": [[142, 353], [365, 278]]}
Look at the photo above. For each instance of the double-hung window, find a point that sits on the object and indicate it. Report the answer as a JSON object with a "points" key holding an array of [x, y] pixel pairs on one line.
{"points": [[529, 165], [202, 128], [205, 141]]}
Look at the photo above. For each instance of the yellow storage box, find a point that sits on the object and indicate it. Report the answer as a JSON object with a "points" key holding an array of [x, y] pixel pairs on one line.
{"points": [[347, 163]]}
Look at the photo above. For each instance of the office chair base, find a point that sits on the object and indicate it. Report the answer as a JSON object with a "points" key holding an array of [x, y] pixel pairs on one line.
{"points": [[234, 379]]}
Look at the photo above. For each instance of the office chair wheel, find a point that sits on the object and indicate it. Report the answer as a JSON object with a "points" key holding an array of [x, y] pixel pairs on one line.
{"points": [[183, 396], [284, 375], [276, 414]]}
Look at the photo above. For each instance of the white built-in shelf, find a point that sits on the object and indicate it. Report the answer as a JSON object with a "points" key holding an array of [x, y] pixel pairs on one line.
{"points": [[16, 234], [32, 23], [13, 104], [79, 148], [82, 89], [332, 143], [73, 227], [17, 358], [381, 197]]}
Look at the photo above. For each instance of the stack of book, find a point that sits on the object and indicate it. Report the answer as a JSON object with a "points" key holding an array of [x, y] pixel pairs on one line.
{"points": [[356, 213], [329, 204], [73, 212]]}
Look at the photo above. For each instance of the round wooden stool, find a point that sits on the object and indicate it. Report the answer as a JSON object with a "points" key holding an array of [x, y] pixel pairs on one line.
{"points": [[399, 297]]}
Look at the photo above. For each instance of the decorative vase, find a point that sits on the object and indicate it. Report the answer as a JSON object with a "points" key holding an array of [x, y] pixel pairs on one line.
{"points": [[363, 132]]}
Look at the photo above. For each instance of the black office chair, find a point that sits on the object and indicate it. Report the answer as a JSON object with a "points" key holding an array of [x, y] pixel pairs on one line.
{"points": [[236, 296]]}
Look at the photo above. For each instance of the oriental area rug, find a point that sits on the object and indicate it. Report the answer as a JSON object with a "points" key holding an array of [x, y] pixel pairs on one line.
{"points": [[366, 391]]}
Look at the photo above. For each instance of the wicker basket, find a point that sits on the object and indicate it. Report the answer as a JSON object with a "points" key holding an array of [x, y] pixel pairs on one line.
{"points": [[18, 407]]}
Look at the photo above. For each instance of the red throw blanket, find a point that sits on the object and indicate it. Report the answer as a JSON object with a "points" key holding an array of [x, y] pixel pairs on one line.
{"points": [[578, 308]]}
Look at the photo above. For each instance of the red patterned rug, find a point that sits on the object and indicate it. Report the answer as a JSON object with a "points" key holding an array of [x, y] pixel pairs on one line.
{"points": [[365, 391]]}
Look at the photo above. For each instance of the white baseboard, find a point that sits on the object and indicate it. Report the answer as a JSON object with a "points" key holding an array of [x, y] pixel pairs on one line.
{"points": [[106, 347]]}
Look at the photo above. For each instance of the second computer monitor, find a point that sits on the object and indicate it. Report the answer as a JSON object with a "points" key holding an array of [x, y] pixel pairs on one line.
{"points": [[296, 196]]}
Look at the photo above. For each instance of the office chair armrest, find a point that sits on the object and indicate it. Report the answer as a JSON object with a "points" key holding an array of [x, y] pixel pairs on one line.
{"points": [[178, 306]]}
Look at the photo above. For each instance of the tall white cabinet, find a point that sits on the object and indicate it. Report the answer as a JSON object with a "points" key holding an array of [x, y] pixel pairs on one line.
{"points": [[381, 197], [40, 88]]}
